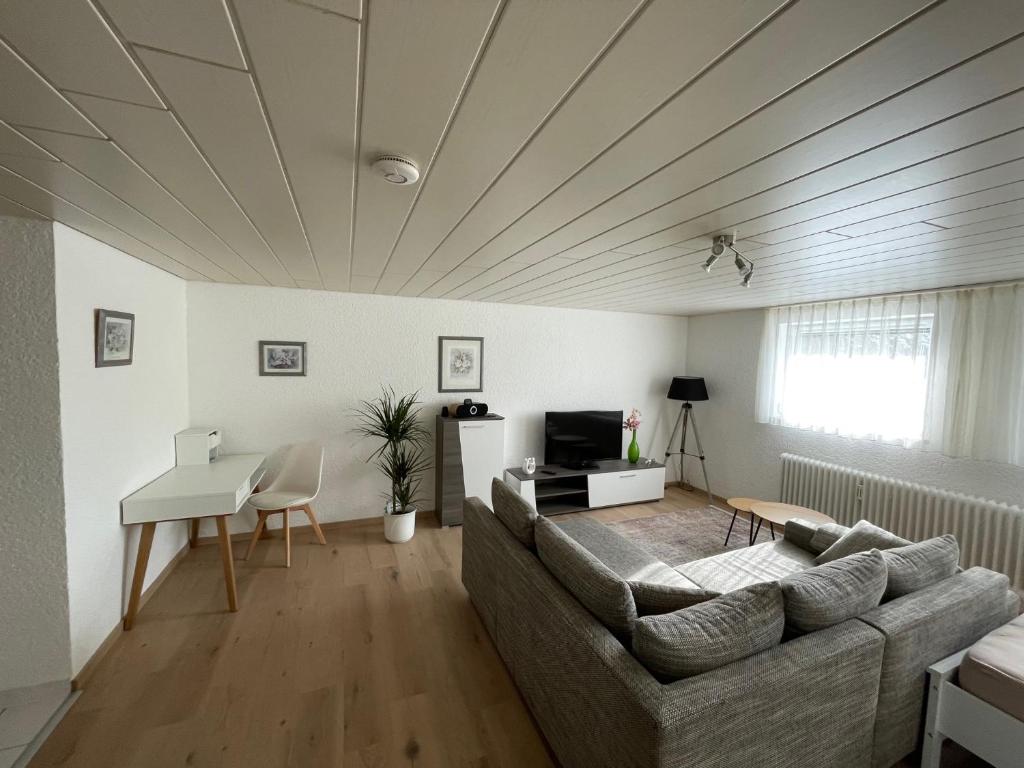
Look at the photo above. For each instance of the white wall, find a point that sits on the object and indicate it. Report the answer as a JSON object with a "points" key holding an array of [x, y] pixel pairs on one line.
{"points": [[118, 423], [743, 456], [535, 358], [33, 569]]}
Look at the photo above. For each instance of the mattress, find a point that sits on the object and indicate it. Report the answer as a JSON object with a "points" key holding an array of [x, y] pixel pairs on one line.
{"points": [[993, 668]]}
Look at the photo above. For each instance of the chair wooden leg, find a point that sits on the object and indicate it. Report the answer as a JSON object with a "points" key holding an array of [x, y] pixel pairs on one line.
{"points": [[313, 522], [228, 561], [287, 540], [257, 533], [193, 533]]}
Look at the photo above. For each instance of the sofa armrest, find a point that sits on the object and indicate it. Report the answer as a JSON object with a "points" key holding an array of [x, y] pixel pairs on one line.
{"points": [[920, 629], [759, 710]]}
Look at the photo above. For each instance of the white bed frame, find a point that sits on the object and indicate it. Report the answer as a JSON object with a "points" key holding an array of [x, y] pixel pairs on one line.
{"points": [[955, 714]]}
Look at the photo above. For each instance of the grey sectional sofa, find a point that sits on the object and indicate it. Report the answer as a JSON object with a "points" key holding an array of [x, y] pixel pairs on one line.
{"points": [[848, 695]]}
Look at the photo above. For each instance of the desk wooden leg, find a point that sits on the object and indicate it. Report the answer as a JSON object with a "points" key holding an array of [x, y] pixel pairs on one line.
{"points": [[193, 533], [141, 561], [229, 562]]}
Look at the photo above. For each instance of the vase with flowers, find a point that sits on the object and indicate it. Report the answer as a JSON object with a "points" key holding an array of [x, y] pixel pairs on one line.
{"points": [[632, 423]]}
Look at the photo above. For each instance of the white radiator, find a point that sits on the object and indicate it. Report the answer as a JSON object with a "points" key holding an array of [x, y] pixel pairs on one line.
{"points": [[991, 534]]}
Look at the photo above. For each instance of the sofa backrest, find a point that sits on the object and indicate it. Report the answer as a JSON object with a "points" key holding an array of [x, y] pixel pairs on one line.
{"points": [[577, 678]]}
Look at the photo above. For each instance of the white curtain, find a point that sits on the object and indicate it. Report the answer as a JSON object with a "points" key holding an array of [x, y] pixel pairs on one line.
{"points": [[857, 368], [942, 371], [975, 403]]}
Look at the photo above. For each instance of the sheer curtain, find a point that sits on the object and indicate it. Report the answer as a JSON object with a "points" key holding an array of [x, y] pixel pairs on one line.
{"points": [[976, 383], [943, 371], [857, 367]]}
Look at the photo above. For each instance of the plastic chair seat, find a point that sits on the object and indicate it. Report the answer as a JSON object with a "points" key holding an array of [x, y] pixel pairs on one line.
{"points": [[279, 499]]}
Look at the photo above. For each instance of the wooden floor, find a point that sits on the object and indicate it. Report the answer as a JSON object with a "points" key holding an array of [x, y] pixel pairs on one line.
{"points": [[363, 654]]}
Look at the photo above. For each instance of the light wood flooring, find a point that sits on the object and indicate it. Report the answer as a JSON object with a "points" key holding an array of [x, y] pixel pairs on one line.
{"points": [[363, 654]]}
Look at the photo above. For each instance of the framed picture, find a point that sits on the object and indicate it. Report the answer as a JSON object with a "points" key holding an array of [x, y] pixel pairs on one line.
{"points": [[282, 358], [460, 364], [115, 338]]}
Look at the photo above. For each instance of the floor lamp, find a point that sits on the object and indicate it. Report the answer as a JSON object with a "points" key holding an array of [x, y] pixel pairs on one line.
{"points": [[689, 389]]}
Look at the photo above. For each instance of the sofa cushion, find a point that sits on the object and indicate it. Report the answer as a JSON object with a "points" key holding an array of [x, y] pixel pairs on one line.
{"points": [[834, 592], [653, 598], [738, 568], [920, 565], [993, 668], [514, 511], [710, 635], [602, 592], [861, 538], [825, 536], [619, 554]]}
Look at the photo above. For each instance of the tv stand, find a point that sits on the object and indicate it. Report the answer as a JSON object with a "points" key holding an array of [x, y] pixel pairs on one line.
{"points": [[554, 489], [580, 465]]}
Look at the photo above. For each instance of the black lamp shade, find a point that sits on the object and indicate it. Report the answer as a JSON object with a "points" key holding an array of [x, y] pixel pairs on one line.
{"points": [[689, 388]]}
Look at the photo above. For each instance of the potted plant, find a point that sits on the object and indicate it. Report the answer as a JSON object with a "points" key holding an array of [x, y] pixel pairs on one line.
{"points": [[401, 456]]}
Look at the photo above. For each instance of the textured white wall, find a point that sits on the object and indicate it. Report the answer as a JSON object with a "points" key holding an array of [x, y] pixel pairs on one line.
{"points": [[118, 423], [33, 569], [743, 456], [535, 359]]}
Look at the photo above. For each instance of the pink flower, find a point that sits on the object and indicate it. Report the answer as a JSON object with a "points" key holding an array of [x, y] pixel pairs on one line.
{"points": [[632, 421]]}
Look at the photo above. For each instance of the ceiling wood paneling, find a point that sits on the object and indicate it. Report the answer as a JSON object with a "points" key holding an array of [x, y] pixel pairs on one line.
{"points": [[226, 118], [201, 29], [535, 55], [419, 57], [28, 99], [16, 143], [306, 63], [156, 140], [45, 204], [106, 164], [95, 62], [578, 154]]}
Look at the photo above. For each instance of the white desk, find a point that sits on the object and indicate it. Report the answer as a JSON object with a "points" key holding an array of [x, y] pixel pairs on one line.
{"points": [[192, 492]]}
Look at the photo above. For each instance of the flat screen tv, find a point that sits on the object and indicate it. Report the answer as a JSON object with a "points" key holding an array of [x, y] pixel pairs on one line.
{"points": [[577, 439]]}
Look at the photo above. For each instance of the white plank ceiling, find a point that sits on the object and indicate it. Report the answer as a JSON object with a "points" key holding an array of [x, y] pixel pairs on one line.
{"points": [[574, 153]]}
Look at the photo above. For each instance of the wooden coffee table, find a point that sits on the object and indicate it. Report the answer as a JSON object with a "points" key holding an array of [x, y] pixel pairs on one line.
{"points": [[741, 504], [777, 512]]}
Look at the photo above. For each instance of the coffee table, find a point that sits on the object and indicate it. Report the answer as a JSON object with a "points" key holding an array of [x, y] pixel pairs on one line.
{"points": [[777, 512], [741, 504]]}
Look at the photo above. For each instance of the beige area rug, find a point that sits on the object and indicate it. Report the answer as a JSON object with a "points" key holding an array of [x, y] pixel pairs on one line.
{"points": [[689, 534]]}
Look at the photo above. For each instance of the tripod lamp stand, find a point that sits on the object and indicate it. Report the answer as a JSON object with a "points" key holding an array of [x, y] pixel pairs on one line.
{"points": [[689, 389]]}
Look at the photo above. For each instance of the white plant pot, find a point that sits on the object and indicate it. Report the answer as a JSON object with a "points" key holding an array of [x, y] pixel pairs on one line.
{"points": [[398, 529]]}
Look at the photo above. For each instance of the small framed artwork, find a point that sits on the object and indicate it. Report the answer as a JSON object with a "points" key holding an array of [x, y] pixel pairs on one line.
{"points": [[460, 364], [115, 338], [282, 358]]}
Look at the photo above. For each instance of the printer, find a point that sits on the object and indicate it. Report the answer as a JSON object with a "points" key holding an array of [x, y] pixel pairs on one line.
{"points": [[199, 445]]}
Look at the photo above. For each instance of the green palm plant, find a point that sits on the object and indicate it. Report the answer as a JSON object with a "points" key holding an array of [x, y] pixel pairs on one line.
{"points": [[401, 455]]}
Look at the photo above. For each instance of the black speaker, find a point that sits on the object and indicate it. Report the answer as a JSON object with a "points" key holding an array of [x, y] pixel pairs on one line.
{"points": [[469, 409]]}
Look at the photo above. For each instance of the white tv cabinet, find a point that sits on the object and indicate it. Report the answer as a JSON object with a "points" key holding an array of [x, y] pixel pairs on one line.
{"points": [[553, 489]]}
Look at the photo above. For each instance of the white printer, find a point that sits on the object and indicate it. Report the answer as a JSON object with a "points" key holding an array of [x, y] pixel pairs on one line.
{"points": [[198, 445]]}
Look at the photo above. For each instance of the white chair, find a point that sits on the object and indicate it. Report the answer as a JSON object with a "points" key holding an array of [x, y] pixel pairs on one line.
{"points": [[294, 487]]}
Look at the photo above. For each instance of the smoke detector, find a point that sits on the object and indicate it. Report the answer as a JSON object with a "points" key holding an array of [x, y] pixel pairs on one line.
{"points": [[396, 169]]}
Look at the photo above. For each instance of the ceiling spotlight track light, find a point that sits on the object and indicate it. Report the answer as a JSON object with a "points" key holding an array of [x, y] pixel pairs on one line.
{"points": [[745, 282], [743, 264]]}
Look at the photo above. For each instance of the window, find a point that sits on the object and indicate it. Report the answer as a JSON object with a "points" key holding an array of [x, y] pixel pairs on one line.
{"points": [[858, 368]]}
